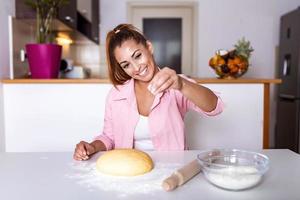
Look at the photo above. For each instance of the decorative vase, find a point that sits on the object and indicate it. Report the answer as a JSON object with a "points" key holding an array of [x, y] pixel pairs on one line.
{"points": [[44, 60]]}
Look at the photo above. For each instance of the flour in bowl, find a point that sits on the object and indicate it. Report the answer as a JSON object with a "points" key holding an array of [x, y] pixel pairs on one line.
{"points": [[234, 178]]}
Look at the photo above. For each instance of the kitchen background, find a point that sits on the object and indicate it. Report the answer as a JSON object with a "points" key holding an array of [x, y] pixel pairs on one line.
{"points": [[220, 23]]}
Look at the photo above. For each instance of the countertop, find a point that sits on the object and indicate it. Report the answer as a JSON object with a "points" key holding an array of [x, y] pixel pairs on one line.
{"points": [[35, 176], [89, 81]]}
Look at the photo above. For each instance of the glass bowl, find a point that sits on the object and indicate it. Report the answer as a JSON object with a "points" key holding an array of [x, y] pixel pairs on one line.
{"points": [[233, 169]]}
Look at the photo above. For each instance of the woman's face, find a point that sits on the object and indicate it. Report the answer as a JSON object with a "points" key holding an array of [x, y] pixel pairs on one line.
{"points": [[136, 60]]}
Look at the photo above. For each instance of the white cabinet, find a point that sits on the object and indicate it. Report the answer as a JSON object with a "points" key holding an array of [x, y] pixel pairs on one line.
{"points": [[239, 126], [54, 117]]}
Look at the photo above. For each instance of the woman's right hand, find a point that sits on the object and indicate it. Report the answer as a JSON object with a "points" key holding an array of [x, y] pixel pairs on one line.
{"points": [[83, 151]]}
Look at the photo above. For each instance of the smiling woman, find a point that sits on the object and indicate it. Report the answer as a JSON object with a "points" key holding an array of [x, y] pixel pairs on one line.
{"points": [[138, 61], [145, 93]]}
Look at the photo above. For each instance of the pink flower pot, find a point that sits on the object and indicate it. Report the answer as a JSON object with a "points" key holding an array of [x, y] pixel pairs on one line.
{"points": [[44, 60]]}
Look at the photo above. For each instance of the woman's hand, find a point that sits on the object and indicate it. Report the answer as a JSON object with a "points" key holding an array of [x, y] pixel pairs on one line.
{"points": [[83, 151], [164, 80], [201, 96]]}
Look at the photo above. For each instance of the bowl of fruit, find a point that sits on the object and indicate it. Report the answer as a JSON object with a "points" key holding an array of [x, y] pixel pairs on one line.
{"points": [[234, 63]]}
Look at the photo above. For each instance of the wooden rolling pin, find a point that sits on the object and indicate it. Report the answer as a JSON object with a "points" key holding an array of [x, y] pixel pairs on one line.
{"points": [[181, 176]]}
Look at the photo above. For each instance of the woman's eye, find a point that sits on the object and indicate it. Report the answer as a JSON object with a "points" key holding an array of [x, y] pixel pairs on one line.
{"points": [[125, 66], [138, 55]]}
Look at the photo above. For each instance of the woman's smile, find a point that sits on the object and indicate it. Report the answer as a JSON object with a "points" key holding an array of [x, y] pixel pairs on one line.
{"points": [[143, 72]]}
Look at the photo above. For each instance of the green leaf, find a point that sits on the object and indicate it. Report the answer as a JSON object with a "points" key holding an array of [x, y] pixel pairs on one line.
{"points": [[243, 48], [46, 11]]}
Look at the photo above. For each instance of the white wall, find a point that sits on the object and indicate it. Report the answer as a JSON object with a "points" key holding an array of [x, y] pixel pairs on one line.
{"points": [[6, 9], [220, 24]]}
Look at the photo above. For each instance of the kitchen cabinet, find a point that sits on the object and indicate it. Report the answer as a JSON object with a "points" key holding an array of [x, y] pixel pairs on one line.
{"points": [[84, 7], [88, 18], [82, 16], [68, 14], [95, 20], [79, 114]]}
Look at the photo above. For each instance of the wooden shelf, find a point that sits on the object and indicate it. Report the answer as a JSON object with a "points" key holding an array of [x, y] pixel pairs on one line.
{"points": [[86, 81], [240, 80], [54, 81]]}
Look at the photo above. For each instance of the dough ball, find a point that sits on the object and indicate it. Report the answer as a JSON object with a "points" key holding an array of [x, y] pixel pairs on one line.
{"points": [[124, 162]]}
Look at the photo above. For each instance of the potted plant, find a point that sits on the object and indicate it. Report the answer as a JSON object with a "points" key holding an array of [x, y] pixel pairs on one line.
{"points": [[44, 56]]}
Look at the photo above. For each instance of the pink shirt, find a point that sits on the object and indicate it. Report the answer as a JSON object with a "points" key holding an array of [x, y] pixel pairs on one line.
{"points": [[166, 118]]}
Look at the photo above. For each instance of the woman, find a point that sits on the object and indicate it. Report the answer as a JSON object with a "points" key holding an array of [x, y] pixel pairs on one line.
{"points": [[145, 96]]}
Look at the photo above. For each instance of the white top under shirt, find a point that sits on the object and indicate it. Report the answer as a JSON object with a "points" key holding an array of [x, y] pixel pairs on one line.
{"points": [[142, 139]]}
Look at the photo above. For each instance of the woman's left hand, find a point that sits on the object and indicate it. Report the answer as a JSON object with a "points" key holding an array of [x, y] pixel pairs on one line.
{"points": [[164, 80]]}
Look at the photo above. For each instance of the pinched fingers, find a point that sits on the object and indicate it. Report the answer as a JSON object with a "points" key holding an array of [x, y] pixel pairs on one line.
{"points": [[162, 85], [163, 80]]}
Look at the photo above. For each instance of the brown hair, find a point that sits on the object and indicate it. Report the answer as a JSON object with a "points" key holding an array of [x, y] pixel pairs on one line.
{"points": [[115, 38]]}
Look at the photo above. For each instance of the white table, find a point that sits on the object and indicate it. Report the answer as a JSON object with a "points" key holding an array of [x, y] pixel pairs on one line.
{"points": [[35, 176]]}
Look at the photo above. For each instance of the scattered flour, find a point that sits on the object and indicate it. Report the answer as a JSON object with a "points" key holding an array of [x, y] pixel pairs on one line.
{"points": [[86, 175], [234, 178]]}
